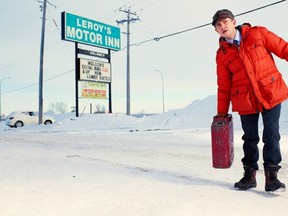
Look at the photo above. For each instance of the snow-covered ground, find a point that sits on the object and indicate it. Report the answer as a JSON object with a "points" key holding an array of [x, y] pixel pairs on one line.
{"points": [[113, 164]]}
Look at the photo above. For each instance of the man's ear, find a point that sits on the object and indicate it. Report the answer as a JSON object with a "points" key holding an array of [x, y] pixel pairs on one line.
{"points": [[234, 22]]}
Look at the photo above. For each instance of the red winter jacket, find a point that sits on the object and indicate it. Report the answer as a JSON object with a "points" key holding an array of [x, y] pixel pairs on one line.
{"points": [[247, 75]]}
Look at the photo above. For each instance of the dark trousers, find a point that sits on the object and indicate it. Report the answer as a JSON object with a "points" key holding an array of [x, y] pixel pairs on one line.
{"points": [[271, 138]]}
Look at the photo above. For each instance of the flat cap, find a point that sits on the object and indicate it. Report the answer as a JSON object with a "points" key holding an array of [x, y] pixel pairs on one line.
{"points": [[222, 14]]}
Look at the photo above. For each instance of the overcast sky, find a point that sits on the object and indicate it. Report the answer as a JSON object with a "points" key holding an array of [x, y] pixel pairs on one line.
{"points": [[187, 60]]}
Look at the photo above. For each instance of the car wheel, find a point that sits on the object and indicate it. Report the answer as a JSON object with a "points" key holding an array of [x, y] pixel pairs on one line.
{"points": [[48, 122], [18, 124]]}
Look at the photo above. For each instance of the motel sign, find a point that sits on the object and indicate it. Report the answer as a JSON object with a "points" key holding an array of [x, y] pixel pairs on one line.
{"points": [[91, 32]]}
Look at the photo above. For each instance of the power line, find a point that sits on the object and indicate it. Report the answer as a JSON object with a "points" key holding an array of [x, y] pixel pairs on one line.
{"points": [[38, 82], [18, 12], [140, 43], [208, 24]]}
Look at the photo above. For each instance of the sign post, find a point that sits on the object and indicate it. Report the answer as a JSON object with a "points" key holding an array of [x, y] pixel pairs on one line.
{"points": [[82, 30]]}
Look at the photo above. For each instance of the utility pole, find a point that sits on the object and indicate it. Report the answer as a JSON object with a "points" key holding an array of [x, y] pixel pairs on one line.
{"points": [[128, 20], [40, 112], [40, 108]]}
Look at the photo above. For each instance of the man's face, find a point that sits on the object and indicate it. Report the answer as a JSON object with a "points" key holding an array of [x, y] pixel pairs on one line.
{"points": [[226, 28]]}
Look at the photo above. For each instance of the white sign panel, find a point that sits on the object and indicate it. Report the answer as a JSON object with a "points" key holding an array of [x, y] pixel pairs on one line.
{"points": [[93, 90], [95, 70]]}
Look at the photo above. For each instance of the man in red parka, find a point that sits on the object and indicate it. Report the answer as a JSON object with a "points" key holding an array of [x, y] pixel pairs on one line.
{"points": [[248, 78]]}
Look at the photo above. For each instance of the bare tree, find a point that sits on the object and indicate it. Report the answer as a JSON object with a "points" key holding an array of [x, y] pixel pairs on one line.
{"points": [[60, 107], [97, 106], [100, 109]]}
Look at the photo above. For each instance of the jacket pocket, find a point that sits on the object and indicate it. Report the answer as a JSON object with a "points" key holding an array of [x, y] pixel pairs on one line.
{"points": [[234, 64], [259, 51], [241, 100], [273, 88], [270, 78]]}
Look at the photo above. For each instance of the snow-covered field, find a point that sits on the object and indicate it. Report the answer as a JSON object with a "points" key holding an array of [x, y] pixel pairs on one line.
{"points": [[100, 165]]}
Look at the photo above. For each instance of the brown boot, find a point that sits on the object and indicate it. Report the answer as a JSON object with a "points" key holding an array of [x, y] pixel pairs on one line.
{"points": [[272, 182], [249, 179]]}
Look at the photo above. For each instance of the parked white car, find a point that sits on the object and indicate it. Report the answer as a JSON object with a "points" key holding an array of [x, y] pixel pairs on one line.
{"points": [[21, 118]]}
